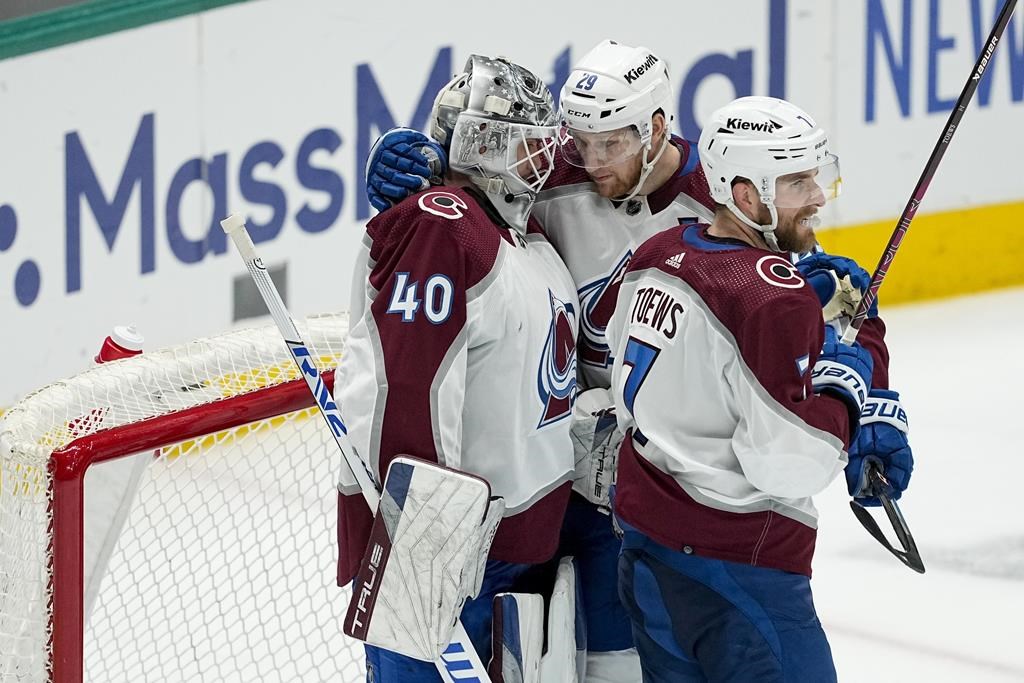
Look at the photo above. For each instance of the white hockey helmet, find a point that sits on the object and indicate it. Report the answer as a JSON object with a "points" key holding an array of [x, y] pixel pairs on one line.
{"points": [[497, 122], [607, 105], [761, 139]]}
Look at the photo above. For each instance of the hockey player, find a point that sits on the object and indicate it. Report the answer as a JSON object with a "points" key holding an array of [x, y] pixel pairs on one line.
{"points": [[462, 348], [621, 177], [738, 405]]}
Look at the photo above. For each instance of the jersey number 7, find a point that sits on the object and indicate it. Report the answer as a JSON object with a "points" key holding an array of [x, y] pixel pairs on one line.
{"points": [[638, 357]]}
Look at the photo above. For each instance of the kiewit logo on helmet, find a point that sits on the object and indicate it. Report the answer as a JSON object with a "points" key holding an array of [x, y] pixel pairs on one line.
{"points": [[740, 124], [637, 71]]}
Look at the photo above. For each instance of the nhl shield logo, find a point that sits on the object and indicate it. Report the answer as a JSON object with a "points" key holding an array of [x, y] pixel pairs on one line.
{"points": [[556, 376]]}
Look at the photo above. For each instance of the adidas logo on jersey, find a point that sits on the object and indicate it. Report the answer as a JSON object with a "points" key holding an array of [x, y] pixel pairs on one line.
{"points": [[675, 261]]}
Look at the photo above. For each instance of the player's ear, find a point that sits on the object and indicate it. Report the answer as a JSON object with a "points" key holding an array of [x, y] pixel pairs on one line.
{"points": [[657, 125], [745, 196]]}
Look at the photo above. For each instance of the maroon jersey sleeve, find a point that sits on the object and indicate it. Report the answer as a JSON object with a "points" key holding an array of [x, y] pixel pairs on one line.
{"points": [[775, 345], [872, 338], [692, 179], [422, 266]]}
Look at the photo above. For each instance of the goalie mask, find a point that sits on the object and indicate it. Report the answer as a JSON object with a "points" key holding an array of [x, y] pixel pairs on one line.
{"points": [[496, 120], [607, 105], [776, 146]]}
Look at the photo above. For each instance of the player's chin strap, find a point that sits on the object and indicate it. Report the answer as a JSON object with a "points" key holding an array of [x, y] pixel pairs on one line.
{"points": [[767, 231], [647, 168], [514, 208]]}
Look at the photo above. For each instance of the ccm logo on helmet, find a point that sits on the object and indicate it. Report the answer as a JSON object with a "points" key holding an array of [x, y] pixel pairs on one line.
{"points": [[581, 114], [443, 204], [740, 124], [637, 71]]}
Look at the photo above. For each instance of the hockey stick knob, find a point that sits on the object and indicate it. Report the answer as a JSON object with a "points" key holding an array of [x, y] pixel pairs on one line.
{"points": [[232, 223]]}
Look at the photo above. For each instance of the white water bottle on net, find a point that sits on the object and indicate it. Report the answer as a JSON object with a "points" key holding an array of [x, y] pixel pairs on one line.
{"points": [[123, 342], [219, 563]]}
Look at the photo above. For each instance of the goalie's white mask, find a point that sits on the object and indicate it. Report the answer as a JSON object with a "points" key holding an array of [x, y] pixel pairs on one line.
{"points": [[497, 122], [776, 146]]}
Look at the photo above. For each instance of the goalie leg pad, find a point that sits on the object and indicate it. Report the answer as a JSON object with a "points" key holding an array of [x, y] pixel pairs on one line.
{"points": [[529, 649], [517, 638], [426, 555], [565, 655]]}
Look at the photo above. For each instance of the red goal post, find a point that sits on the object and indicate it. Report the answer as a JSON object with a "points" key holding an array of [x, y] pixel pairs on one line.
{"points": [[172, 517]]}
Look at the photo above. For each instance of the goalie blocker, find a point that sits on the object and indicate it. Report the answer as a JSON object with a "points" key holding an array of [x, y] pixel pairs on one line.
{"points": [[425, 557]]}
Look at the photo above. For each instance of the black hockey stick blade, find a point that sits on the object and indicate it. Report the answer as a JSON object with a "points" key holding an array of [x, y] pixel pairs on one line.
{"points": [[908, 553]]}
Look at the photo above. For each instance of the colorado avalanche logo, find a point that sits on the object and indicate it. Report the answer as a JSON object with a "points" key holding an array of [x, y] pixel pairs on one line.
{"points": [[597, 299], [779, 272], [443, 204], [556, 376]]}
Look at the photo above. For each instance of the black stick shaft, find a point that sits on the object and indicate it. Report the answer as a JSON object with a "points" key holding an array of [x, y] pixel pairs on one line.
{"points": [[929, 171]]}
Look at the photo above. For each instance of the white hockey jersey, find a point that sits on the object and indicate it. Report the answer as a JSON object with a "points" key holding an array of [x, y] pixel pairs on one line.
{"points": [[462, 351], [596, 238], [726, 442]]}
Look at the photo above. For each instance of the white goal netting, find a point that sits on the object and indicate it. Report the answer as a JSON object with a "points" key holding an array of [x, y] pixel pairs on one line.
{"points": [[207, 558]]}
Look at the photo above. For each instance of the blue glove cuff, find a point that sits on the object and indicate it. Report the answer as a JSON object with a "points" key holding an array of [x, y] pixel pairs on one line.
{"points": [[845, 372], [884, 405]]}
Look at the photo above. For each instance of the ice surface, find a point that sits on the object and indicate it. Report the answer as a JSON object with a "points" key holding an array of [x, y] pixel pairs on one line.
{"points": [[958, 365]]}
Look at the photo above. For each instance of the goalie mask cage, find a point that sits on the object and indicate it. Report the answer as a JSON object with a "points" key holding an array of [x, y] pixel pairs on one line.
{"points": [[207, 552]]}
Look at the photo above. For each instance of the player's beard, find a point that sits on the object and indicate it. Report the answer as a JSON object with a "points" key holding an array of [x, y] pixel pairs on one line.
{"points": [[796, 231], [791, 232], [618, 180]]}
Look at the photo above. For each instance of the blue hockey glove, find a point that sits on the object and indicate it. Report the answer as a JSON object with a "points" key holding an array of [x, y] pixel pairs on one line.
{"points": [[839, 283], [883, 441], [844, 371], [402, 162]]}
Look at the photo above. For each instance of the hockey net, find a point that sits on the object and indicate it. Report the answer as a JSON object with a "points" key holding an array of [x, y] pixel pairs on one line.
{"points": [[171, 517]]}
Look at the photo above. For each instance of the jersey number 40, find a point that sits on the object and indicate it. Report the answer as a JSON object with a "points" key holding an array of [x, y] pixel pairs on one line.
{"points": [[438, 292]]}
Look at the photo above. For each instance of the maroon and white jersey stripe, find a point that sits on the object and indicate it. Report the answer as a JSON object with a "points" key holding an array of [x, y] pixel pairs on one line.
{"points": [[596, 238], [462, 351], [714, 341]]}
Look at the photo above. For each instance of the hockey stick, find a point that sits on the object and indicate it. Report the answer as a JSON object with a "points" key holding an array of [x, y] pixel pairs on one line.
{"points": [[459, 663], [909, 554], [903, 225]]}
